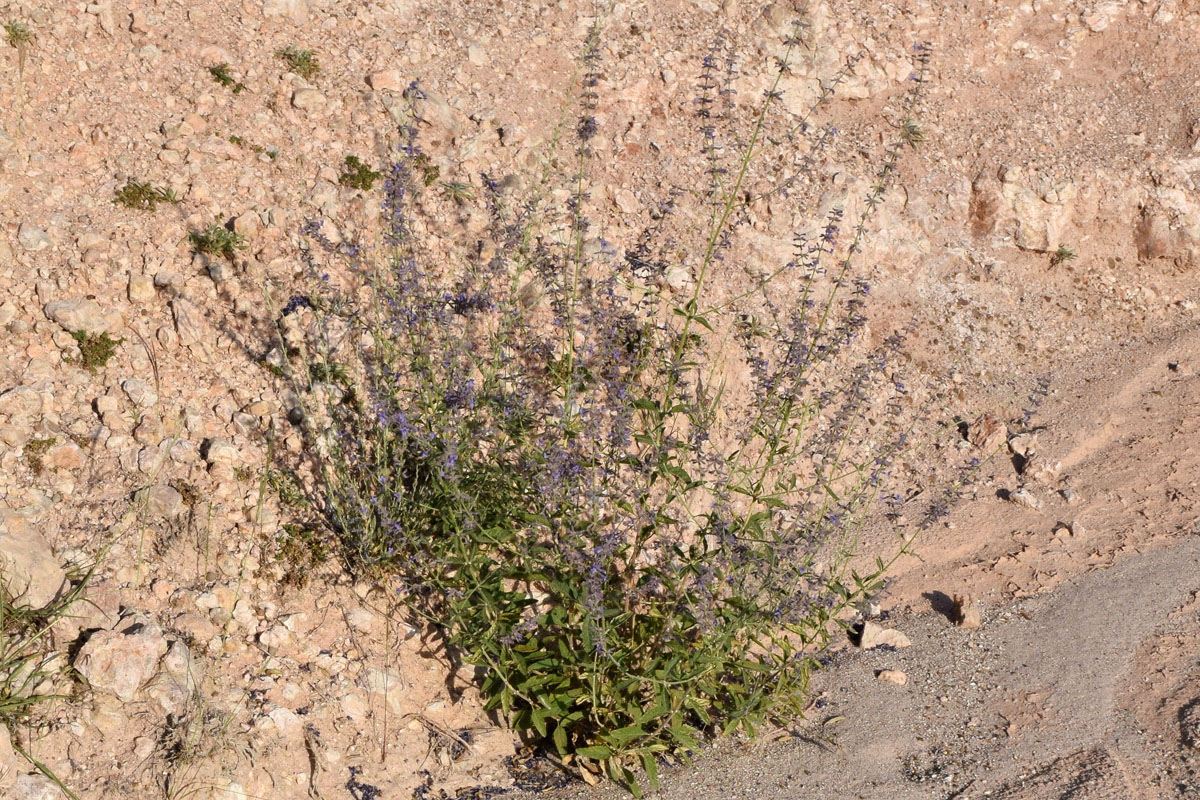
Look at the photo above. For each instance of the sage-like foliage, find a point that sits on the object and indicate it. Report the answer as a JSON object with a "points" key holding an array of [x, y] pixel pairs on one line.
{"points": [[543, 442]]}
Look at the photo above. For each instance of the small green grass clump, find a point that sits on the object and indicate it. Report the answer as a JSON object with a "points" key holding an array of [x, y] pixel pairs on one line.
{"points": [[301, 548], [17, 34], [221, 74], [35, 454], [357, 175], [430, 172], [912, 133], [271, 152], [457, 191], [95, 350], [301, 62], [217, 240], [143, 195], [1062, 255]]}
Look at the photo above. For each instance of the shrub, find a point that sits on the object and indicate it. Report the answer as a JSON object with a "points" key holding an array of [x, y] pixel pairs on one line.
{"points": [[357, 175], [217, 240], [145, 196], [35, 454], [17, 34], [95, 350], [627, 493], [1062, 255], [221, 74], [302, 62]]}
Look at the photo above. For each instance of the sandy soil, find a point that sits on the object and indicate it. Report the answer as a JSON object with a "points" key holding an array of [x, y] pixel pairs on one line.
{"points": [[1047, 122]]}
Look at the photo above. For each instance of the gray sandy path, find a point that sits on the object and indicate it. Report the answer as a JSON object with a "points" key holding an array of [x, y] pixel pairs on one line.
{"points": [[1025, 708]]}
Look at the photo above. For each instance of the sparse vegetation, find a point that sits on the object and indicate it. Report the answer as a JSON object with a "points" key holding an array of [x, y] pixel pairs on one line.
{"points": [[301, 62], [302, 548], [95, 350], [461, 193], [1062, 255], [258, 149], [428, 171], [143, 195], [17, 34], [33, 673], [357, 175], [217, 240], [35, 453], [221, 74], [912, 132]]}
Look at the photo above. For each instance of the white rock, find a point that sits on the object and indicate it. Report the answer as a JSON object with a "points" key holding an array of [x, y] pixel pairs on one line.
{"points": [[1023, 444], [247, 225], [354, 707], [877, 636], [309, 100], [140, 392], [78, 315], [967, 614], [678, 279], [122, 660], [220, 451], [161, 501], [35, 786], [324, 195], [1023, 497], [189, 321], [1100, 16], [8, 759], [478, 55], [173, 686], [64, 455], [386, 683], [626, 201], [31, 237], [1038, 218], [141, 288], [20, 401], [360, 619], [287, 723], [29, 571], [90, 240], [276, 638], [212, 55], [295, 10], [387, 80]]}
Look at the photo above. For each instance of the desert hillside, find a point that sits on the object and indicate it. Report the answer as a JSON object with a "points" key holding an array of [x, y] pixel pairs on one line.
{"points": [[1039, 243]]}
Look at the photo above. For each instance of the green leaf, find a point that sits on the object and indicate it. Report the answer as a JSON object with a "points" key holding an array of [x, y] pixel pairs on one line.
{"points": [[538, 717], [596, 751], [622, 736], [650, 764], [684, 737], [560, 739], [654, 712]]}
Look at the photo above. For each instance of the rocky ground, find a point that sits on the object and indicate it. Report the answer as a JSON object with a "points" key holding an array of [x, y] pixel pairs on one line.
{"points": [[218, 655]]}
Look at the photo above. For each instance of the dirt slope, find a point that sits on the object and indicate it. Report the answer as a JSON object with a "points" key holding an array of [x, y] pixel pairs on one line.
{"points": [[1048, 123]]}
